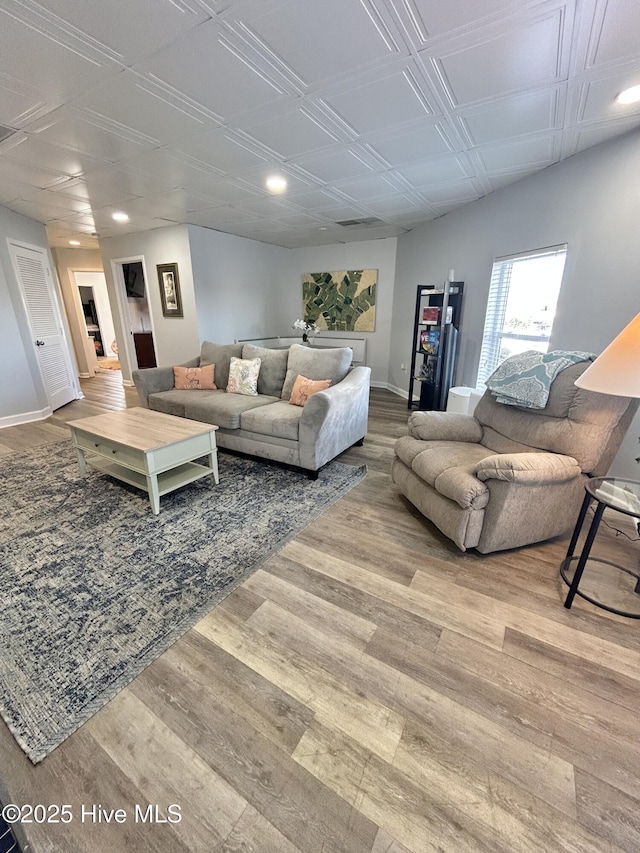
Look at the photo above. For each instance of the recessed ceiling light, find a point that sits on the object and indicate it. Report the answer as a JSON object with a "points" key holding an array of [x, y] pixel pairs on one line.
{"points": [[322, 228], [629, 96], [276, 184], [120, 217], [74, 242]]}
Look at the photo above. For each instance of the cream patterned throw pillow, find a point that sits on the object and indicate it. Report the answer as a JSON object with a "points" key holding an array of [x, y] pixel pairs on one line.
{"points": [[243, 376]]}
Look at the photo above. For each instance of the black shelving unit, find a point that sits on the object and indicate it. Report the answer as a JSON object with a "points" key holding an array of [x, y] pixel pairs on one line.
{"points": [[435, 344]]}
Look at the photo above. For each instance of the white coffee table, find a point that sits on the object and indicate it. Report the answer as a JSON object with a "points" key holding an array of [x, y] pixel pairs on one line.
{"points": [[147, 449]]}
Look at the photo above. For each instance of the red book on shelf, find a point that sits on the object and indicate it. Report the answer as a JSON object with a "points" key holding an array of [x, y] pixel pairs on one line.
{"points": [[430, 314]]}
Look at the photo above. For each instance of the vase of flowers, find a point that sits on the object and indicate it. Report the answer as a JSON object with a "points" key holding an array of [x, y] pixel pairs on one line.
{"points": [[309, 329]]}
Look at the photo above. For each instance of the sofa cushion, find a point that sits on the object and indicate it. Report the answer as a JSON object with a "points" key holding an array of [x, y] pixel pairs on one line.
{"points": [[243, 376], [273, 368], [221, 408], [220, 355], [173, 402], [448, 466], [316, 363], [279, 420]]}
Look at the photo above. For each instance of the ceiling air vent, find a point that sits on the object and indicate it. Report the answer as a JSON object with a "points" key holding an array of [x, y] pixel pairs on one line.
{"points": [[6, 132], [366, 222]]}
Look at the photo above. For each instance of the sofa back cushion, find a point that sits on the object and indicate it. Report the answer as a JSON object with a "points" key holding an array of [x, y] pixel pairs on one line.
{"points": [[273, 368], [220, 355], [316, 363], [574, 422]]}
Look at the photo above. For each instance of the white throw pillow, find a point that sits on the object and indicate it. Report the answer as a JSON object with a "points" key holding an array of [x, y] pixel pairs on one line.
{"points": [[243, 376]]}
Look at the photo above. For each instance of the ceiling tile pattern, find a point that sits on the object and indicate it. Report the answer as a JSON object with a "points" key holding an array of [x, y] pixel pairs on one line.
{"points": [[397, 111]]}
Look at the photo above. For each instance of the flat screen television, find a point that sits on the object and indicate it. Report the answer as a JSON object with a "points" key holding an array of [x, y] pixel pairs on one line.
{"points": [[134, 279]]}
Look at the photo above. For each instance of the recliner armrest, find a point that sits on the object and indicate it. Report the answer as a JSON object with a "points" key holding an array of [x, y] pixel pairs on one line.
{"points": [[445, 426], [528, 468]]}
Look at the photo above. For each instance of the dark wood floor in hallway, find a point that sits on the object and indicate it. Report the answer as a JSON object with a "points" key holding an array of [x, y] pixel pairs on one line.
{"points": [[370, 689]]}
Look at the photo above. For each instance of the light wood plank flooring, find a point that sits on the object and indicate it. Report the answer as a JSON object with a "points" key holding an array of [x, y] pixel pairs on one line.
{"points": [[369, 690]]}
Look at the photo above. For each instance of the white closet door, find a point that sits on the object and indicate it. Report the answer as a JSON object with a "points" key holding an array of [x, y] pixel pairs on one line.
{"points": [[36, 283]]}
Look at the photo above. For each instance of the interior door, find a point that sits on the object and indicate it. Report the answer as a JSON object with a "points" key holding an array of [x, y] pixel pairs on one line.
{"points": [[45, 319]]}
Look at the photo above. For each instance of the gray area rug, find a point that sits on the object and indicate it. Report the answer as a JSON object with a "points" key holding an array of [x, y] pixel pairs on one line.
{"points": [[94, 587]]}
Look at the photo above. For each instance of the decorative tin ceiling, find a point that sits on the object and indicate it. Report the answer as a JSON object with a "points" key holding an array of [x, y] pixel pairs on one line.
{"points": [[385, 113]]}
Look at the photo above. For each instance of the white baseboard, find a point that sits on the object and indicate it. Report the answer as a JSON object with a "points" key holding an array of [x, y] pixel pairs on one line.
{"points": [[399, 391], [394, 390], [25, 417], [128, 383]]}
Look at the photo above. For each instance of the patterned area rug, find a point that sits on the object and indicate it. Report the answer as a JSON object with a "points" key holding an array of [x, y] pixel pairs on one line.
{"points": [[95, 587]]}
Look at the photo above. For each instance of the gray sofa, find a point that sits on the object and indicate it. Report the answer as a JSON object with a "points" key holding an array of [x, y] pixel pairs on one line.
{"points": [[509, 476], [267, 425]]}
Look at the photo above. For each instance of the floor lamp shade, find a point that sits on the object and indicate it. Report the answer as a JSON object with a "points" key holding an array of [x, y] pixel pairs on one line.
{"points": [[617, 370]]}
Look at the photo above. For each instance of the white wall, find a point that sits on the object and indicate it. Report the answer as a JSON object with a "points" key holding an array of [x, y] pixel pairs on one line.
{"points": [[175, 338], [22, 393], [369, 254], [590, 201], [237, 285]]}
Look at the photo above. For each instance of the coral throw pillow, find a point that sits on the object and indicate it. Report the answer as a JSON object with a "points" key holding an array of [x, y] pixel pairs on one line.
{"points": [[303, 388], [194, 378], [243, 376]]}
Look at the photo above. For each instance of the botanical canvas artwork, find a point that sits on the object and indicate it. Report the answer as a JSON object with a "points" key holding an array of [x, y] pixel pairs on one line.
{"points": [[341, 301]]}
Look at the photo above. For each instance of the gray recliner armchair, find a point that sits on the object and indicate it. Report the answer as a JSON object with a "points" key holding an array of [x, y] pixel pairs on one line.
{"points": [[509, 476]]}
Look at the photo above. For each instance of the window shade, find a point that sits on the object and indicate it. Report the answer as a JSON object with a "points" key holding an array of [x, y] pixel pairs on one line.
{"points": [[494, 330]]}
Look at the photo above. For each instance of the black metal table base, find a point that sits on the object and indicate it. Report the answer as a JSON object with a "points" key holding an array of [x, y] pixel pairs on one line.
{"points": [[583, 558]]}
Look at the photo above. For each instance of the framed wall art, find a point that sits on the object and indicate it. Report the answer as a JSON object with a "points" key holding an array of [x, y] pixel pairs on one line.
{"points": [[341, 301], [170, 290]]}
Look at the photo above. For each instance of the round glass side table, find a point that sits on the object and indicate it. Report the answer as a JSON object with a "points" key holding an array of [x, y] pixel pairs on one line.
{"points": [[622, 496]]}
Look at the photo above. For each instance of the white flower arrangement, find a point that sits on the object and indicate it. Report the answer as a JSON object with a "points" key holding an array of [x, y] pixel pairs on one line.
{"points": [[309, 328]]}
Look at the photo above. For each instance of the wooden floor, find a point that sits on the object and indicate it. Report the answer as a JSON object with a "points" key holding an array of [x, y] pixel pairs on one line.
{"points": [[369, 690]]}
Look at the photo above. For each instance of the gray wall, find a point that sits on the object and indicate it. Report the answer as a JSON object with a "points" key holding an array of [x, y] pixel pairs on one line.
{"points": [[248, 289], [175, 338], [590, 201], [236, 285], [369, 254], [22, 390]]}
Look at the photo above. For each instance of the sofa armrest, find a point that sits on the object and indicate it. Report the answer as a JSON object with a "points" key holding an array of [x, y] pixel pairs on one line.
{"points": [[444, 426], [532, 469], [334, 419], [151, 380]]}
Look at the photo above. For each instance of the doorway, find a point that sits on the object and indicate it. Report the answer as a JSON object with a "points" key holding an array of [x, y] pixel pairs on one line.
{"points": [[98, 319], [132, 295]]}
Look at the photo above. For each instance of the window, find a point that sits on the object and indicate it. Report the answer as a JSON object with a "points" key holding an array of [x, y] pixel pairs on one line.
{"points": [[522, 304]]}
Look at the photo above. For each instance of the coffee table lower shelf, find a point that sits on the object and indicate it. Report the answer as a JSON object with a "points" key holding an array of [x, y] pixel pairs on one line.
{"points": [[168, 481]]}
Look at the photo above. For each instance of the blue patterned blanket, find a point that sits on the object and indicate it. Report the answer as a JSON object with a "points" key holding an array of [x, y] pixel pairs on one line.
{"points": [[525, 379]]}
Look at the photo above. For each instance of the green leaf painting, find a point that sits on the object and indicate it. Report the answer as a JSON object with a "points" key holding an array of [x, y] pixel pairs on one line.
{"points": [[342, 301]]}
